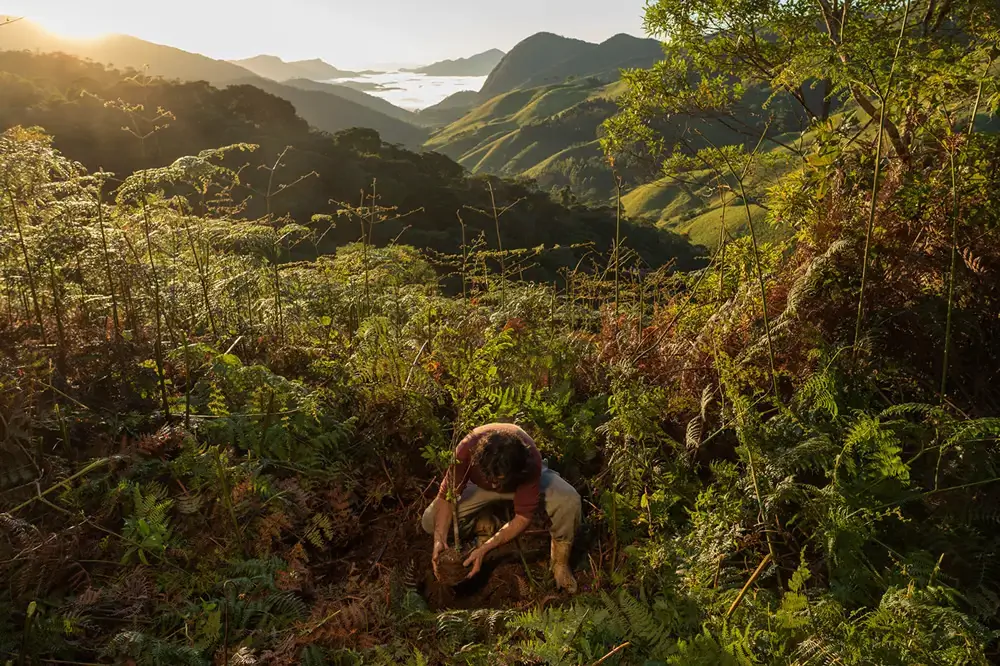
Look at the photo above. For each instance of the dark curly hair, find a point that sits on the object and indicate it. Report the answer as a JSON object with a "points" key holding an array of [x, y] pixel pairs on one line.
{"points": [[504, 459]]}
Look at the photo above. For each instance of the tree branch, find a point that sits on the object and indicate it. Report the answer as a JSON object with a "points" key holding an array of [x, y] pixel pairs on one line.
{"points": [[890, 128]]}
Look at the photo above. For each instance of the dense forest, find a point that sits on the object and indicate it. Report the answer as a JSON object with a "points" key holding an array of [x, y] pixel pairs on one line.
{"points": [[229, 387]]}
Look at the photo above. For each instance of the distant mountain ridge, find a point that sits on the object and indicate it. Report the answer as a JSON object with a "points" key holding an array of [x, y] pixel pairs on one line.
{"points": [[123, 51], [330, 109], [539, 112], [547, 59], [332, 113], [480, 64], [276, 69], [357, 96]]}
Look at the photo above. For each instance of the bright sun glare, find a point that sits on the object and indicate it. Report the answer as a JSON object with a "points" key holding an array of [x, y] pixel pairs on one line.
{"points": [[74, 26]]}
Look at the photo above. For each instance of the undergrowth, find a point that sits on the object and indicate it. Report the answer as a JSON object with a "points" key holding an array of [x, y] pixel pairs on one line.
{"points": [[212, 454]]}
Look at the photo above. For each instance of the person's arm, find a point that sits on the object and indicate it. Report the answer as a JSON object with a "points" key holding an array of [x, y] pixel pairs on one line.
{"points": [[507, 533], [442, 521]]}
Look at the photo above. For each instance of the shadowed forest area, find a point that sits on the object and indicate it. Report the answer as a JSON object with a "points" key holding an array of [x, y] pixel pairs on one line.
{"points": [[236, 354]]}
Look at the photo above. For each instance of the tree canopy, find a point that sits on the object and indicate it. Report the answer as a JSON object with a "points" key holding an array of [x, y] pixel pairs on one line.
{"points": [[910, 57]]}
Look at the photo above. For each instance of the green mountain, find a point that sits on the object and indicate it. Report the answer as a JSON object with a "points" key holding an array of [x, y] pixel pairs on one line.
{"points": [[539, 111], [276, 69], [449, 109], [547, 133], [329, 108], [46, 91], [547, 59], [480, 64]]}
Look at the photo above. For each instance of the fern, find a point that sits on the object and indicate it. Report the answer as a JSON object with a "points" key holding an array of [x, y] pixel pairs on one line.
{"points": [[147, 530], [643, 628], [270, 611], [319, 530], [556, 635], [406, 604], [313, 655], [148, 650]]}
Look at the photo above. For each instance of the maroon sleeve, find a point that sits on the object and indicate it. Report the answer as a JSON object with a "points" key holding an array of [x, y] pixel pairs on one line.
{"points": [[527, 495], [463, 452]]}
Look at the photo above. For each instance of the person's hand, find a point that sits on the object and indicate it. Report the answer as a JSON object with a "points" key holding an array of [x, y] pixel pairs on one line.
{"points": [[476, 560], [439, 547]]}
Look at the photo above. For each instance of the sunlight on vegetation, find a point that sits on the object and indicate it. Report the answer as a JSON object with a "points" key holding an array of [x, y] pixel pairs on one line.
{"points": [[236, 353]]}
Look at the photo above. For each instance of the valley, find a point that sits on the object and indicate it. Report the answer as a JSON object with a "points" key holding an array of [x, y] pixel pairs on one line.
{"points": [[536, 115]]}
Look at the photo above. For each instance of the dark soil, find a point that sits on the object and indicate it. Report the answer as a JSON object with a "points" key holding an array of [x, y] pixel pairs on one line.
{"points": [[451, 571], [513, 575]]}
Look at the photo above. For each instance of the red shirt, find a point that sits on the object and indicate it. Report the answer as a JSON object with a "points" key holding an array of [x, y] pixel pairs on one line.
{"points": [[526, 495]]}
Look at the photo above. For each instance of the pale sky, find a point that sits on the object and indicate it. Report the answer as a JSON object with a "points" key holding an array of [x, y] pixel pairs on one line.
{"points": [[345, 33]]}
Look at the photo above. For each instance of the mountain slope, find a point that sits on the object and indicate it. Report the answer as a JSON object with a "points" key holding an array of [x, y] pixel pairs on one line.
{"points": [[358, 97], [521, 66], [329, 109], [691, 205], [606, 59], [547, 59], [276, 69], [547, 133], [449, 109], [550, 134], [540, 110], [332, 113], [480, 64], [123, 51]]}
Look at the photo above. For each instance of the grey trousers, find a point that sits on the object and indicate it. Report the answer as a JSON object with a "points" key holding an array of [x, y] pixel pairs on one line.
{"points": [[562, 503]]}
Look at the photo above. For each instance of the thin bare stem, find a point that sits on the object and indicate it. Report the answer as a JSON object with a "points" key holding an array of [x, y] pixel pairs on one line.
{"points": [[158, 343], [954, 241], [618, 239], [503, 268], [32, 284], [875, 180]]}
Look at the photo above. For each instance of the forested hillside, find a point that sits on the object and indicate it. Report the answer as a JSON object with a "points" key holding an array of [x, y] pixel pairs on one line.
{"points": [[541, 116], [217, 440], [420, 192], [123, 52], [546, 59]]}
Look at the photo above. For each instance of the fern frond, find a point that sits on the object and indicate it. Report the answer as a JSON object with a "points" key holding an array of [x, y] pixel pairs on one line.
{"points": [[693, 438]]}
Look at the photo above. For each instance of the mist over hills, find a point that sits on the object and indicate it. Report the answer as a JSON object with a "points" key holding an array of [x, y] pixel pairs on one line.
{"points": [[330, 112], [536, 117], [480, 64], [330, 109], [276, 69], [353, 94]]}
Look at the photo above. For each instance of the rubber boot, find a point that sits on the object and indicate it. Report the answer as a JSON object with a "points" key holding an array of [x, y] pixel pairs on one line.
{"points": [[559, 565], [487, 525]]}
